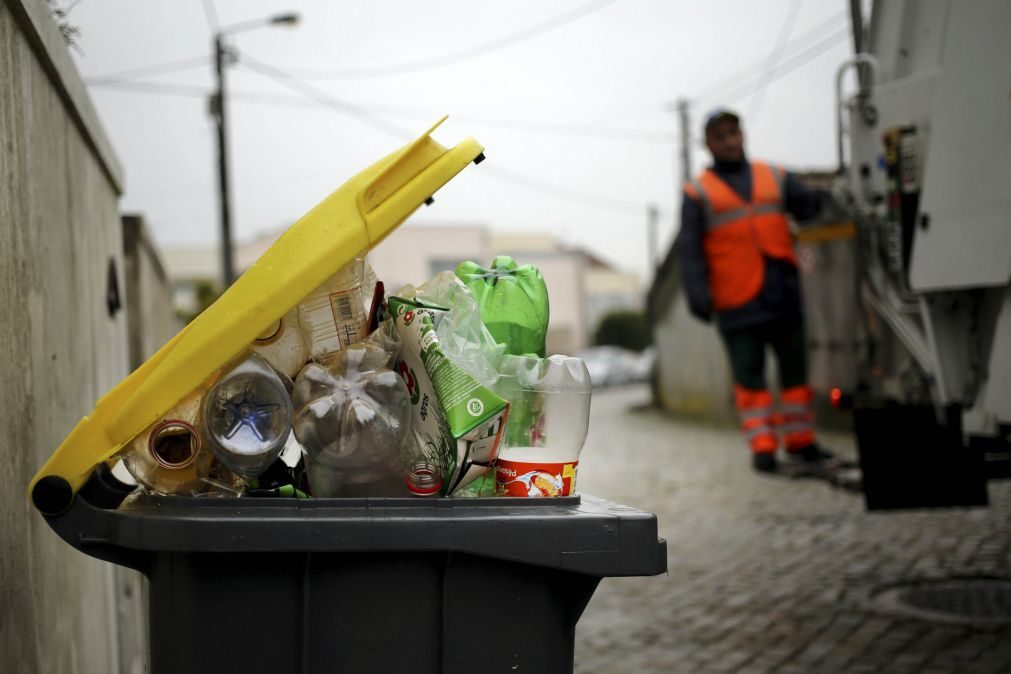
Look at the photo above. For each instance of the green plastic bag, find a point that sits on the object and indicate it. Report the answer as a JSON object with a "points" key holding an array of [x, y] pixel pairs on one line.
{"points": [[513, 301]]}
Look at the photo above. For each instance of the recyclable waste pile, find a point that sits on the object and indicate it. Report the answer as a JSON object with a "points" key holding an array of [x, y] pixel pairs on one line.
{"points": [[441, 389]]}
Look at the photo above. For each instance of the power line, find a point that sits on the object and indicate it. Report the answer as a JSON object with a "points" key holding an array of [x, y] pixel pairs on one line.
{"points": [[166, 68], [212, 16], [554, 128], [564, 193], [783, 69], [156, 88], [807, 39], [323, 98], [464, 54], [777, 51], [366, 117]]}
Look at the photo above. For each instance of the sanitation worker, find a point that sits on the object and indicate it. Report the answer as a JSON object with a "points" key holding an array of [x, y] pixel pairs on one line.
{"points": [[735, 251]]}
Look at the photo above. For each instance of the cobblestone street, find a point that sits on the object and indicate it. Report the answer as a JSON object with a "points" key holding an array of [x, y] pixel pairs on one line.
{"points": [[768, 574]]}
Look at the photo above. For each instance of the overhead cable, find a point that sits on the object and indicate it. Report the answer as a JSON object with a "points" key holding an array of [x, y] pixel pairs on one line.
{"points": [[451, 58], [364, 116], [786, 67], [165, 68], [777, 51], [801, 43], [580, 130]]}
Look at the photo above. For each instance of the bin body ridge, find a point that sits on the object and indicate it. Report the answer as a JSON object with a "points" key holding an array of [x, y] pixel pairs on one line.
{"points": [[367, 585]]}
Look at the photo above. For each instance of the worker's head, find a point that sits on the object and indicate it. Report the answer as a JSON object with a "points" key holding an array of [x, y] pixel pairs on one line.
{"points": [[724, 137]]}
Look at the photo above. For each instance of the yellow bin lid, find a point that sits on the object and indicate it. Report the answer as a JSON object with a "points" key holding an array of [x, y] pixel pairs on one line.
{"points": [[357, 216]]}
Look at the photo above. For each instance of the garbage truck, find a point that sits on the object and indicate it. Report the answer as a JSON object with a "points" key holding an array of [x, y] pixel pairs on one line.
{"points": [[924, 152]]}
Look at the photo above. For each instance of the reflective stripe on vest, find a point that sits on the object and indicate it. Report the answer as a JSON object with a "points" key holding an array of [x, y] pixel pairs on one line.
{"points": [[739, 233]]}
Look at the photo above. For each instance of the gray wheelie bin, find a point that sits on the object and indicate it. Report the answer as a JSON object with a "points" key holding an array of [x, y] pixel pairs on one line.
{"points": [[362, 585]]}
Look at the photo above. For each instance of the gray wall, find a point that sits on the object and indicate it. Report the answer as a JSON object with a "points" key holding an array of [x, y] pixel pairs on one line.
{"points": [[692, 375], [151, 320], [59, 231]]}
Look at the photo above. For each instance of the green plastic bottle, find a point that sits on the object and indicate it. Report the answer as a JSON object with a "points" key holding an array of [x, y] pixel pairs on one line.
{"points": [[513, 301]]}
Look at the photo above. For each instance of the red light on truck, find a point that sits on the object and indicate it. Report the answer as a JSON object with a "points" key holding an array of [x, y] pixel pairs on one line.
{"points": [[835, 397]]}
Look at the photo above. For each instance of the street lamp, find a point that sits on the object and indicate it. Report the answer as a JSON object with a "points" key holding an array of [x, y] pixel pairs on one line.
{"points": [[218, 110]]}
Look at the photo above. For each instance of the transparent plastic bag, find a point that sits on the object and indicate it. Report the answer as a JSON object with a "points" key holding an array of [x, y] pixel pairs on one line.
{"points": [[462, 334]]}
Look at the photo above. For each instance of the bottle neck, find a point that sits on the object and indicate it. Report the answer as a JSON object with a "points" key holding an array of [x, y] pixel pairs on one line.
{"points": [[424, 479]]}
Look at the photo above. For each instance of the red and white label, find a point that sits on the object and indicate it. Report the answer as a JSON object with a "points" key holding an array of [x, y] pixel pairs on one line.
{"points": [[527, 478]]}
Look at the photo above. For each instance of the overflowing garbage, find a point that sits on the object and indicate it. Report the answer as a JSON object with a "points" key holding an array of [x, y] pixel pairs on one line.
{"points": [[441, 389]]}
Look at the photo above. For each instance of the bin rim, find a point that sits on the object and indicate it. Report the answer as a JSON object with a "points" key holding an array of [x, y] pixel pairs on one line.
{"points": [[582, 533]]}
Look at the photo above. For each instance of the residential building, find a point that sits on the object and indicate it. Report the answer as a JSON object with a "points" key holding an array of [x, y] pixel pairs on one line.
{"points": [[582, 287]]}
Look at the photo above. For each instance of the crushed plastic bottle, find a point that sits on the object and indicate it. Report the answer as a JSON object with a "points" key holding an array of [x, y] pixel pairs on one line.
{"points": [[283, 345], [247, 416], [513, 301], [352, 419], [170, 457], [334, 316]]}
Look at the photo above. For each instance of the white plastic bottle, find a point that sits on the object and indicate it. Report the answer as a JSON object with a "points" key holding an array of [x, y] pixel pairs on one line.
{"points": [[283, 345], [334, 316]]}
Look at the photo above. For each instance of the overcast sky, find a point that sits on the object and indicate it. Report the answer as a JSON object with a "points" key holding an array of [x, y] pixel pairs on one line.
{"points": [[580, 105]]}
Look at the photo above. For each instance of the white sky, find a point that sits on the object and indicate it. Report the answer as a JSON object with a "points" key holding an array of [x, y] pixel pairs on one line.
{"points": [[619, 67]]}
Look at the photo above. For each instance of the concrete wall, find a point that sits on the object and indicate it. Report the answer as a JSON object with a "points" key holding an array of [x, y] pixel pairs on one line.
{"points": [[151, 319], [692, 375], [151, 322], [61, 347]]}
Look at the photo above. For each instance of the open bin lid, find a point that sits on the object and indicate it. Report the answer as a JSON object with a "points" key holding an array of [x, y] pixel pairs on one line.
{"points": [[353, 219]]}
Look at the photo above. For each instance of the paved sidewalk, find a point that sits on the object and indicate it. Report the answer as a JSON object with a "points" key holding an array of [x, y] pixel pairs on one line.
{"points": [[767, 574]]}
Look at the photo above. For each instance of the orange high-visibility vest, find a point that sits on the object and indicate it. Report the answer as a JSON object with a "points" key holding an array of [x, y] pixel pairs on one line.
{"points": [[739, 233]]}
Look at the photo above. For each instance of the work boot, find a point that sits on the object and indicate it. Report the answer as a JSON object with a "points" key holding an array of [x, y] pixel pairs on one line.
{"points": [[764, 462], [810, 453], [815, 454]]}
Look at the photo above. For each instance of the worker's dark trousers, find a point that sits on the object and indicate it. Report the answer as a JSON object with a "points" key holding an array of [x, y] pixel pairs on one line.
{"points": [[760, 423]]}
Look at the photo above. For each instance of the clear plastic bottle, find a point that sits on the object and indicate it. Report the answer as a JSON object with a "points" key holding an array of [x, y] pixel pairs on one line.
{"points": [[283, 345], [170, 457], [547, 425], [334, 316], [352, 416], [247, 416]]}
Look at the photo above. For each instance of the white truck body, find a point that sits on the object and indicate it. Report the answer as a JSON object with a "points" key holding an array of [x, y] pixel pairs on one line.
{"points": [[925, 155]]}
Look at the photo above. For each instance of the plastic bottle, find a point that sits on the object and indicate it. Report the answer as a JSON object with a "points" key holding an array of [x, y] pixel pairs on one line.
{"points": [[334, 316], [352, 417], [513, 300], [170, 457], [283, 345], [547, 426], [247, 416]]}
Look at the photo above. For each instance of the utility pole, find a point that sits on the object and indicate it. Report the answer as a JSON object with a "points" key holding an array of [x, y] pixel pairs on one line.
{"points": [[652, 236], [219, 111], [686, 139], [227, 263]]}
